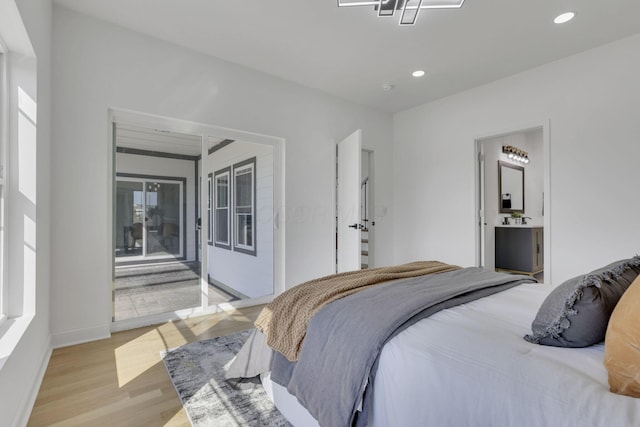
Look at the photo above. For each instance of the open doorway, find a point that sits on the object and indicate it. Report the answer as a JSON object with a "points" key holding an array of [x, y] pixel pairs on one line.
{"points": [[156, 228], [367, 234], [195, 219], [513, 202], [354, 204]]}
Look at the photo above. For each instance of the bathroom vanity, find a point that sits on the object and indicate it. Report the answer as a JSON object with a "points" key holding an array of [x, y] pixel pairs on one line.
{"points": [[519, 249]]}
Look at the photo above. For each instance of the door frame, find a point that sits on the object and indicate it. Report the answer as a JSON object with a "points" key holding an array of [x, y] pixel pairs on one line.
{"points": [[203, 130], [543, 124], [182, 208]]}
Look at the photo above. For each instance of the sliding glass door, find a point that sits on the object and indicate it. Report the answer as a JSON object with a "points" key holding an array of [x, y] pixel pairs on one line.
{"points": [[149, 217]]}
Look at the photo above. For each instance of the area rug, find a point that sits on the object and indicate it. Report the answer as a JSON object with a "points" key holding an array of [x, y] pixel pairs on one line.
{"points": [[197, 372]]}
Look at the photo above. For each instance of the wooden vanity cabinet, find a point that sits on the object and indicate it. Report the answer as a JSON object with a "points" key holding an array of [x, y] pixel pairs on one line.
{"points": [[520, 249]]}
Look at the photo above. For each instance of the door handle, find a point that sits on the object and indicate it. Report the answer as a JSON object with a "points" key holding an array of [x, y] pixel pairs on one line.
{"points": [[356, 226]]}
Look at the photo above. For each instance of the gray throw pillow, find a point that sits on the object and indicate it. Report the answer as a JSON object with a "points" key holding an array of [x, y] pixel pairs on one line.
{"points": [[576, 313]]}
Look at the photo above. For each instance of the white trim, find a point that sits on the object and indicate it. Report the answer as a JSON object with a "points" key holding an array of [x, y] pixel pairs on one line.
{"points": [[11, 332], [216, 208], [244, 169], [15, 36], [4, 152], [210, 209], [80, 336], [543, 124], [22, 416]]}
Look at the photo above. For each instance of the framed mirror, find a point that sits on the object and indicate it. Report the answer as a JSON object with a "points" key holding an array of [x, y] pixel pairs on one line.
{"points": [[510, 187]]}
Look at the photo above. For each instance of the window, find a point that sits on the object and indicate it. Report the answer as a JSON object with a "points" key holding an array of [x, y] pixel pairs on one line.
{"points": [[222, 222], [209, 209], [244, 202], [18, 132], [3, 135], [234, 207]]}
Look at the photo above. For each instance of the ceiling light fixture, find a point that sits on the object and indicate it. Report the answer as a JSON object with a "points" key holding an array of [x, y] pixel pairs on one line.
{"points": [[408, 8], [418, 73], [565, 17]]}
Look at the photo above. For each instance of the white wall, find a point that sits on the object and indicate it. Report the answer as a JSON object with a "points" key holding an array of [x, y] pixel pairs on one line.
{"points": [[97, 66], [28, 227], [175, 168], [591, 101], [250, 275]]}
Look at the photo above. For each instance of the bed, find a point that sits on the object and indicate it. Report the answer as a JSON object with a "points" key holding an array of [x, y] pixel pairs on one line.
{"points": [[468, 365]]}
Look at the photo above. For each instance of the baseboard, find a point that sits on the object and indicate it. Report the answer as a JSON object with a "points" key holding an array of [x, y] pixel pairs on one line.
{"points": [[22, 418], [80, 336], [228, 289]]}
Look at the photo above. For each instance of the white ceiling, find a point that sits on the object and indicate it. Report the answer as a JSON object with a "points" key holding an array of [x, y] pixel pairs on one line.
{"points": [[157, 140], [165, 141], [351, 53]]}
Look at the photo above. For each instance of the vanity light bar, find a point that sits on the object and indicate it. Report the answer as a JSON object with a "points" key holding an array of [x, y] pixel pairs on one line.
{"points": [[516, 154]]}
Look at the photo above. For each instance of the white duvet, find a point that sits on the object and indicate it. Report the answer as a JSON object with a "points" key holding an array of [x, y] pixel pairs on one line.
{"points": [[470, 366]]}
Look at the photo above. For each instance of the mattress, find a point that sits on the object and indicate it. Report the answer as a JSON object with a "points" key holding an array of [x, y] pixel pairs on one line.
{"points": [[470, 366]]}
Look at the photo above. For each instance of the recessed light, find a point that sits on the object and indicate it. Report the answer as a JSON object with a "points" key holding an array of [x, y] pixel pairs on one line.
{"points": [[418, 73], [565, 17]]}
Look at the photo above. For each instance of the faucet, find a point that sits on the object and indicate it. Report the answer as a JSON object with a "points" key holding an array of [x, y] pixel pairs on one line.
{"points": [[524, 219]]}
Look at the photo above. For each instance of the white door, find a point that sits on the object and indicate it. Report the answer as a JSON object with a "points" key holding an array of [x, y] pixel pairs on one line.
{"points": [[482, 221], [348, 201]]}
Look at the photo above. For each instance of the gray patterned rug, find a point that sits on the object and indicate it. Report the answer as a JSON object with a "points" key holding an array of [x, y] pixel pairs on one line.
{"points": [[197, 372]]}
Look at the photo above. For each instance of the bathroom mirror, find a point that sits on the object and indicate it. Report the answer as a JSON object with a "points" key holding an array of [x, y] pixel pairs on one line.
{"points": [[510, 187]]}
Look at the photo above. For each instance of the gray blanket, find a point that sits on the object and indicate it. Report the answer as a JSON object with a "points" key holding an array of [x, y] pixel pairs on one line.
{"points": [[334, 374]]}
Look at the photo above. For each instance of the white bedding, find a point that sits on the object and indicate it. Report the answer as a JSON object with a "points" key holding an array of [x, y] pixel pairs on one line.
{"points": [[470, 366]]}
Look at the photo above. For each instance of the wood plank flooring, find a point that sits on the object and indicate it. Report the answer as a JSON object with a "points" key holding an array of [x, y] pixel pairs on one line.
{"points": [[122, 381]]}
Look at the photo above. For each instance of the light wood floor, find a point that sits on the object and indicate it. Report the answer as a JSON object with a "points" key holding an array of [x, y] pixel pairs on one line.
{"points": [[122, 381]]}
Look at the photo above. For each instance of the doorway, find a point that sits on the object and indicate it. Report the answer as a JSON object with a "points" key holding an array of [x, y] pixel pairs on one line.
{"points": [[149, 213], [174, 208], [367, 234], [354, 204], [512, 199], [156, 206]]}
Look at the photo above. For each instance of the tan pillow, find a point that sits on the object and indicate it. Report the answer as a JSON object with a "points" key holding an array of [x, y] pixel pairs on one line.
{"points": [[622, 343]]}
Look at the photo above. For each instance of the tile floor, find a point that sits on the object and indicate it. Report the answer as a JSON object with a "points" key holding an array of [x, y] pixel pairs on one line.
{"points": [[153, 289]]}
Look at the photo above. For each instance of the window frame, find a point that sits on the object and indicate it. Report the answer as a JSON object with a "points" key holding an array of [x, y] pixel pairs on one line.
{"points": [[210, 209], [249, 249], [4, 139], [216, 209]]}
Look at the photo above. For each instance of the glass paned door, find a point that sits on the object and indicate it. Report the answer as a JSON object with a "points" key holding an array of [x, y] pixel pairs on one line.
{"points": [[148, 219]]}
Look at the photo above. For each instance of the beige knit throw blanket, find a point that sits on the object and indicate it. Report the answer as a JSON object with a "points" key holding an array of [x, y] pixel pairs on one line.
{"points": [[284, 321]]}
